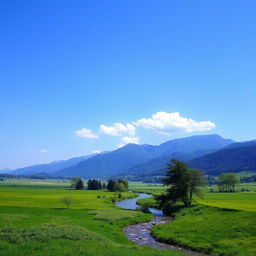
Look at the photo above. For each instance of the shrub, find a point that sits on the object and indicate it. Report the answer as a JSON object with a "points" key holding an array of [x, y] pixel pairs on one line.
{"points": [[67, 201]]}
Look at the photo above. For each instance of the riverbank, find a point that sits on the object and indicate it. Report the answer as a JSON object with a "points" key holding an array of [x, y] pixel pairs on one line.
{"points": [[202, 228], [141, 233], [211, 230]]}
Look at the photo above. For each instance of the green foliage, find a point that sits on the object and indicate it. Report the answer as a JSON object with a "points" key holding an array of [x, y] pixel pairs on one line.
{"points": [[74, 181], [150, 202], [67, 200], [215, 231], [125, 183], [117, 186], [227, 182], [110, 185], [94, 184], [183, 182], [79, 184]]}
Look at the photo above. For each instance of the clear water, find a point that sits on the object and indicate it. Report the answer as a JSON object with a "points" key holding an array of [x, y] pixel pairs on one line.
{"points": [[131, 204]]}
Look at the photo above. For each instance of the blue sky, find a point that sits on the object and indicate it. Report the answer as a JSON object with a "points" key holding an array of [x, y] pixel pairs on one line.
{"points": [[68, 65]]}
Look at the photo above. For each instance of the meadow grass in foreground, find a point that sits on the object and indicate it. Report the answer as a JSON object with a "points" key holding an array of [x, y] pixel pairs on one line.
{"points": [[213, 230], [34, 222]]}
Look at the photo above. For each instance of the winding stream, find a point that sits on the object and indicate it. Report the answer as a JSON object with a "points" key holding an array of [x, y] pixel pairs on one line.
{"points": [[140, 233]]}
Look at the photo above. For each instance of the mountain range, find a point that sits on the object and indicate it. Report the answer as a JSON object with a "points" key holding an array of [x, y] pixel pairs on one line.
{"points": [[49, 168], [211, 153], [237, 157]]}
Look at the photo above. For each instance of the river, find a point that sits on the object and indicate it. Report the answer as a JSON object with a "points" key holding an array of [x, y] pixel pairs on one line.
{"points": [[140, 233]]}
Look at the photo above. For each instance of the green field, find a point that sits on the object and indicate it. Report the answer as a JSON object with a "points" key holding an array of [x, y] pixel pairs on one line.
{"points": [[238, 201], [150, 188], [156, 188], [228, 227], [35, 222], [35, 183], [212, 230]]}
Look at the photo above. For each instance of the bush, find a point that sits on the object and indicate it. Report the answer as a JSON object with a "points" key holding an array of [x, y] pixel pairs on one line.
{"points": [[67, 201], [170, 208], [119, 187]]}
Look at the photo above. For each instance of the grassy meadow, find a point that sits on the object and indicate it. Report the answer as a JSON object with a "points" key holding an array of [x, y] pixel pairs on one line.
{"points": [[35, 222], [35, 183], [237, 201], [212, 230], [219, 224]]}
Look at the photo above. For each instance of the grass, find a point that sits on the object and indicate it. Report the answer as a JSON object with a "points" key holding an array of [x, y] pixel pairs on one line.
{"points": [[212, 230], [51, 198], [35, 222], [228, 227], [150, 188], [35, 183], [148, 202], [238, 201]]}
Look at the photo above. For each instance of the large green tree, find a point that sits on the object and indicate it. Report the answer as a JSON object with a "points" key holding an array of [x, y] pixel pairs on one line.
{"points": [[182, 183]]}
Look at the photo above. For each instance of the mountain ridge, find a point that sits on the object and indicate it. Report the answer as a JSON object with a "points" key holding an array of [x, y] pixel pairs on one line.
{"points": [[132, 158], [121, 160]]}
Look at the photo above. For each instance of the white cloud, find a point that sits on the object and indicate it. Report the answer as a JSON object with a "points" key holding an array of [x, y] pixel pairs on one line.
{"points": [[170, 123], [43, 150], [86, 133], [127, 140], [96, 151], [118, 129]]}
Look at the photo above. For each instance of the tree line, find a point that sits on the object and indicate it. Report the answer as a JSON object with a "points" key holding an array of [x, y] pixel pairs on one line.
{"points": [[120, 185], [95, 185]]}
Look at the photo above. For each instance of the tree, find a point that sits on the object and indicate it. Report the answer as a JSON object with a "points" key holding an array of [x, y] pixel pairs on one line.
{"points": [[183, 182], [89, 184], [111, 185], [119, 187], [67, 201], [227, 182], [125, 182], [74, 181], [197, 180], [79, 185]]}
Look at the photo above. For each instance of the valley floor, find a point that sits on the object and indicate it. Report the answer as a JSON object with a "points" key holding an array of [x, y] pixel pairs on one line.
{"points": [[36, 222]]}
